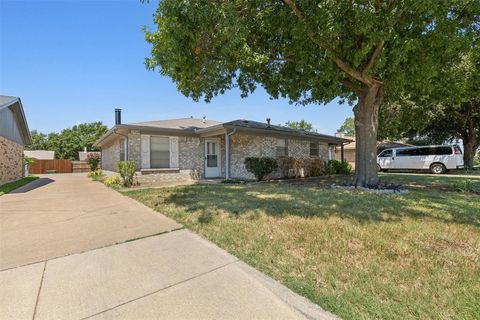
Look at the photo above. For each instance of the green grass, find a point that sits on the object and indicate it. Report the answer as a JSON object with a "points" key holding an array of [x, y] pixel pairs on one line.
{"points": [[427, 181], [8, 187], [360, 255]]}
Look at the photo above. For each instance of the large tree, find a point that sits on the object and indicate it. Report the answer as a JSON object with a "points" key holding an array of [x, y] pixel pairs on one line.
{"points": [[311, 51]]}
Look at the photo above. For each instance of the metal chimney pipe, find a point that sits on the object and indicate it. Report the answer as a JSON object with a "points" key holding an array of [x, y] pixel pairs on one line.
{"points": [[118, 116], [268, 122]]}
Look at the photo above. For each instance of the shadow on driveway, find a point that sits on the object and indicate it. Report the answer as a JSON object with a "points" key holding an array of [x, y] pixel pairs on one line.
{"points": [[33, 185]]}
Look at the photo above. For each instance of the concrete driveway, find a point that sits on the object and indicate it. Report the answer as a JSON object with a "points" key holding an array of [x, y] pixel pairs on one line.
{"points": [[67, 213], [74, 249]]}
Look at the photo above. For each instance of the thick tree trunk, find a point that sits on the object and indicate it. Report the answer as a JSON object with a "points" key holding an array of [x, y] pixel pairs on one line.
{"points": [[470, 146], [366, 127]]}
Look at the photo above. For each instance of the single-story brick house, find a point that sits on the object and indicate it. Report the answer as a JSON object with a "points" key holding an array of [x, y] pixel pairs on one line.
{"points": [[14, 134], [200, 148]]}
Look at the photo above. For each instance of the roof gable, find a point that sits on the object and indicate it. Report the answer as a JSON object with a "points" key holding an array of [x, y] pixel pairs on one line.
{"points": [[15, 105]]}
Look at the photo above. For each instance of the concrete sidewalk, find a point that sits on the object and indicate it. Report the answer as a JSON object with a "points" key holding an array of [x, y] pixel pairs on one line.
{"points": [[176, 275], [81, 271]]}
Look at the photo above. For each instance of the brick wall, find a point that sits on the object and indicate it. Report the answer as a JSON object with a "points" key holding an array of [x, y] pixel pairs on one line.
{"points": [[190, 155], [243, 146], [11, 160], [111, 155], [134, 145]]}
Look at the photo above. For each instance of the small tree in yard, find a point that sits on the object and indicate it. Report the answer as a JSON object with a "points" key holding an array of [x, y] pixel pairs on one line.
{"points": [[93, 159], [260, 167], [126, 169], [312, 52]]}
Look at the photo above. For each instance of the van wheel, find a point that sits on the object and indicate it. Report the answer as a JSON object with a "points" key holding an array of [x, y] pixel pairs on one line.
{"points": [[379, 169], [437, 168]]}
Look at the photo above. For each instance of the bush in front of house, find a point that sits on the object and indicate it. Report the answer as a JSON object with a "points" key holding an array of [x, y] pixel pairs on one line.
{"points": [[112, 181], [290, 167], [476, 160], [338, 167], [260, 167], [93, 159], [96, 175], [317, 167], [126, 169]]}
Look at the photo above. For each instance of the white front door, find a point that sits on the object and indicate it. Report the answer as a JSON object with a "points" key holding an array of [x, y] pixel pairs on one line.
{"points": [[212, 158]]}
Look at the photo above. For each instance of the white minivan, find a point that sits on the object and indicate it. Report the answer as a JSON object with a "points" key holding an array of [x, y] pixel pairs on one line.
{"points": [[437, 159]]}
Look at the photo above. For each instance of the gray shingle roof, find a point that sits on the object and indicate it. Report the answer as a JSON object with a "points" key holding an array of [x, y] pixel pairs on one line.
{"points": [[195, 126], [249, 124], [183, 124], [7, 100]]}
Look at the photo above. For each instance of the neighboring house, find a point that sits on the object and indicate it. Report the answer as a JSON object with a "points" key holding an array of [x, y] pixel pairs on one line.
{"points": [[200, 148], [40, 154], [14, 134], [349, 148]]}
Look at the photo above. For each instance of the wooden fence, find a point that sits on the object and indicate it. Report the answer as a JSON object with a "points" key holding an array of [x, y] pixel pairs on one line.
{"points": [[42, 166]]}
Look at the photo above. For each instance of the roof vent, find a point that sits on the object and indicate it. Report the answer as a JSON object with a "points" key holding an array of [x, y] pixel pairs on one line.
{"points": [[204, 119], [268, 122]]}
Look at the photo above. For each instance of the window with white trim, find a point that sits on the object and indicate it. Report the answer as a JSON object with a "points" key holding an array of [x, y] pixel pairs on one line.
{"points": [[159, 152], [282, 149], [314, 149], [123, 149]]}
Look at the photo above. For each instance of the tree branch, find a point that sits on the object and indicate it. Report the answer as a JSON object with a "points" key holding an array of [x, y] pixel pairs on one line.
{"points": [[355, 74], [373, 58]]}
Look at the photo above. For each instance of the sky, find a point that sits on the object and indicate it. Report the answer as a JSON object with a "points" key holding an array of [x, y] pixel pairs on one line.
{"points": [[75, 61]]}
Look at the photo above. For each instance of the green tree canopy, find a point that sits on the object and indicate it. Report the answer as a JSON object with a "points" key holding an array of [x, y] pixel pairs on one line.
{"points": [[302, 125], [312, 52], [39, 141], [348, 127], [70, 141]]}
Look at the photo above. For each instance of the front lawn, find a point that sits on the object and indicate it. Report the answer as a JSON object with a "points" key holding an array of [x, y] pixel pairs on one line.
{"points": [[10, 186], [357, 254]]}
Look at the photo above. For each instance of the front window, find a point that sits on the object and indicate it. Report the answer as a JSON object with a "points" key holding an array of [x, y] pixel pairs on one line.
{"points": [[314, 149], [386, 154], [282, 147], [159, 152], [123, 150]]}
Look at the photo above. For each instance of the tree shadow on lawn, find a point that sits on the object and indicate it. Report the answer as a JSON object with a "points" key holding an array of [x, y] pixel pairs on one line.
{"points": [[311, 202]]}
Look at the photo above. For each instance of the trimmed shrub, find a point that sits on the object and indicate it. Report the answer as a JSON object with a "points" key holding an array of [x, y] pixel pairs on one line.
{"points": [[285, 165], [93, 159], [126, 169], [338, 167], [309, 167], [95, 174], [260, 167], [317, 167], [111, 181]]}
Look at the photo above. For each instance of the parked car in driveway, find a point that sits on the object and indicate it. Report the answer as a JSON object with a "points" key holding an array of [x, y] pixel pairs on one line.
{"points": [[437, 158]]}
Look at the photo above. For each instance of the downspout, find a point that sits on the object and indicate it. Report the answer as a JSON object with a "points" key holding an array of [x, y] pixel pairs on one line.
{"points": [[227, 153]]}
